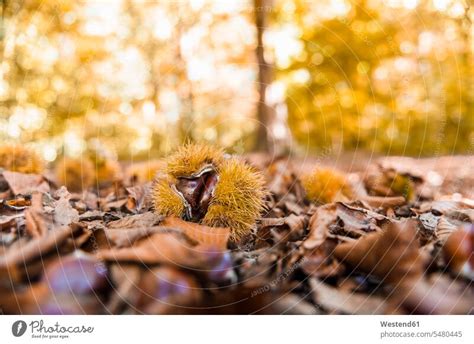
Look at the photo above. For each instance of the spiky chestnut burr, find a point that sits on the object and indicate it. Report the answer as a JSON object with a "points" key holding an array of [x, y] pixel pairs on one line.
{"points": [[325, 185], [199, 184], [75, 174], [17, 158]]}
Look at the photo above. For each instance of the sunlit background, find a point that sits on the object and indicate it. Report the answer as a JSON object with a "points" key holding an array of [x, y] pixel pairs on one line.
{"points": [[138, 78]]}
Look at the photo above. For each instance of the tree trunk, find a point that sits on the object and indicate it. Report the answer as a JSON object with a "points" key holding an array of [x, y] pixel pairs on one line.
{"points": [[265, 112]]}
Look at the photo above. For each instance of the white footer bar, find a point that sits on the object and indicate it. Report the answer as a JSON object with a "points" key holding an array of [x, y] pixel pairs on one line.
{"points": [[236, 329]]}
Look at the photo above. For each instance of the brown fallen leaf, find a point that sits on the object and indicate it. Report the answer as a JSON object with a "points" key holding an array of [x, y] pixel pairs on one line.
{"points": [[125, 277], [384, 202], [166, 290], [319, 225], [291, 304], [283, 229], [338, 301], [11, 221], [435, 295], [391, 255], [37, 222], [147, 219], [23, 301], [354, 221], [139, 197], [168, 247], [212, 236], [21, 183], [126, 237], [15, 260], [458, 251]]}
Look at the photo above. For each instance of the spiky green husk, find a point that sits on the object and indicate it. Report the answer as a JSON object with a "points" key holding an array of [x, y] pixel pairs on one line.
{"points": [[165, 200], [191, 158], [17, 158], [75, 174], [326, 186], [238, 199]]}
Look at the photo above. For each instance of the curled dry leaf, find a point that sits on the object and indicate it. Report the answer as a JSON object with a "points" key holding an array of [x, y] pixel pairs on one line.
{"points": [[283, 229], [341, 219], [445, 227], [319, 225], [391, 255], [354, 221], [139, 197]]}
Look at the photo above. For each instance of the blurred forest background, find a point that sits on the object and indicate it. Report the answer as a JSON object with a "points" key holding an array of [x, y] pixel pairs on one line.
{"points": [[137, 78]]}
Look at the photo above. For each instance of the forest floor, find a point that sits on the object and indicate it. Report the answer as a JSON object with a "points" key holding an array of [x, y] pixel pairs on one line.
{"points": [[106, 252]]}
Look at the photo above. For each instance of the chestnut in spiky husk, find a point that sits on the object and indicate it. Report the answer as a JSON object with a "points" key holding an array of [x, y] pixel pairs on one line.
{"points": [[325, 185], [75, 174], [200, 184], [17, 158]]}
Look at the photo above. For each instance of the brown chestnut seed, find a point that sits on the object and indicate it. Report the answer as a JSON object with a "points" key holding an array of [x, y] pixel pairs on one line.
{"points": [[196, 191]]}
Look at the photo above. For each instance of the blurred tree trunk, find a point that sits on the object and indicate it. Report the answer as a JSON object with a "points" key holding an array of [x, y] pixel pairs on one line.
{"points": [[184, 87], [265, 112]]}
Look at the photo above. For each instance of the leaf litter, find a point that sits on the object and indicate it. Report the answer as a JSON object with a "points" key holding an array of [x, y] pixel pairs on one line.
{"points": [[106, 252]]}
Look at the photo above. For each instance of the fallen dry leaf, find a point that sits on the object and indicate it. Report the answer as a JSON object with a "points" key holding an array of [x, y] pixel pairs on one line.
{"points": [[24, 184], [391, 255], [212, 236], [37, 222]]}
